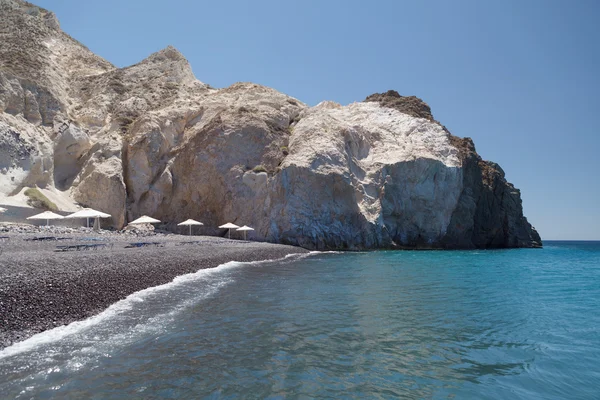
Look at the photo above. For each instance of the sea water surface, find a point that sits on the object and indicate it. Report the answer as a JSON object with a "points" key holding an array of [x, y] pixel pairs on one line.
{"points": [[496, 324]]}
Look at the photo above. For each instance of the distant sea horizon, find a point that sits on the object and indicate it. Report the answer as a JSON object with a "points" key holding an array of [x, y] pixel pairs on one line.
{"points": [[570, 240]]}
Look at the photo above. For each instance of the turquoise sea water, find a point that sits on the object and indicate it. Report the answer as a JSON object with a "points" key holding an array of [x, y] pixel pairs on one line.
{"points": [[501, 324]]}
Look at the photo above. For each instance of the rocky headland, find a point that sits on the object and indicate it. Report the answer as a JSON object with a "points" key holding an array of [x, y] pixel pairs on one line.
{"points": [[152, 139]]}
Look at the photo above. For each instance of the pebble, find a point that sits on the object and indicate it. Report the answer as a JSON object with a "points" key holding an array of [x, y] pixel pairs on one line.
{"points": [[41, 288]]}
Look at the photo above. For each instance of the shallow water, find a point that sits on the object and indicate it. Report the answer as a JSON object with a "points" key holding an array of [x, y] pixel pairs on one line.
{"points": [[413, 324]]}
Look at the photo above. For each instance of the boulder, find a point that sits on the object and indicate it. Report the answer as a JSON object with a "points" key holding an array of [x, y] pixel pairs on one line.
{"points": [[70, 146]]}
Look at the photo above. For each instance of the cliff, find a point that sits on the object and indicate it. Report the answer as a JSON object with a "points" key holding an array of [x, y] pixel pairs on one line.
{"points": [[152, 139]]}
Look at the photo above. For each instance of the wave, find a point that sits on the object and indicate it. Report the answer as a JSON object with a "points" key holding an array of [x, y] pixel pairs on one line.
{"points": [[134, 300]]}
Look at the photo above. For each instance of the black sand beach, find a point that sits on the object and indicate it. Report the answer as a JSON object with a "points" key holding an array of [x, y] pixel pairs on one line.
{"points": [[41, 288]]}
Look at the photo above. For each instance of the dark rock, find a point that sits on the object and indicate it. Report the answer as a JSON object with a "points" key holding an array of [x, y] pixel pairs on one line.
{"points": [[410, 105], [489, 213]]}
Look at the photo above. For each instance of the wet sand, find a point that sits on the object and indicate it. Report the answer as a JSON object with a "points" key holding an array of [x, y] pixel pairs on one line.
{"points": [[41, 288]]}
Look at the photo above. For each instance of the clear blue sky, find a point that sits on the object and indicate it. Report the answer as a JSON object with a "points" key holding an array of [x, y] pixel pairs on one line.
{"points": [[522, 78]]}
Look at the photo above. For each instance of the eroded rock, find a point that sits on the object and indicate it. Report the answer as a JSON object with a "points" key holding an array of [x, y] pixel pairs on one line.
{"points": [[152, 139]]}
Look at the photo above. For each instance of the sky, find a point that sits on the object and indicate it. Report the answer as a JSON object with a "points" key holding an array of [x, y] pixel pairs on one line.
{"points": [[519, 77]]}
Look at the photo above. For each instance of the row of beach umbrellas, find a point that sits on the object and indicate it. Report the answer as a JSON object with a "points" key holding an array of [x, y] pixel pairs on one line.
{"points": [[88, 213], [191, 222], [229, 226]]}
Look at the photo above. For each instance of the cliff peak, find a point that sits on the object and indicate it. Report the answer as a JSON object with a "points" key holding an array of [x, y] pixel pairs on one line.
{"points": [[169, 53], [29, 10], [410, 105]]}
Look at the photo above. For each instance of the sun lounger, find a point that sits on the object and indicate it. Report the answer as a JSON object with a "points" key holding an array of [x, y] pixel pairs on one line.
{"points": [[186, 243], [40, 238], [80, 247], [45, 238], [144, 244]]}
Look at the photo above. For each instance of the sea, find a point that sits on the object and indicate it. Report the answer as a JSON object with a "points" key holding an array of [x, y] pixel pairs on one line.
{"points": [[486, 324]]}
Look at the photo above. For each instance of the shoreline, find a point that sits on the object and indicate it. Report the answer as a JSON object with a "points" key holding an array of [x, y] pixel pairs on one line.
{"points": [[41, 288]]}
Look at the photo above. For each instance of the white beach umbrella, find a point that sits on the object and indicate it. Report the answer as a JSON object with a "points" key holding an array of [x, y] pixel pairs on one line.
{"points": [[144, 219], [47, 215], [229, 226], [245, 229], [190, 222], [88, 213]]}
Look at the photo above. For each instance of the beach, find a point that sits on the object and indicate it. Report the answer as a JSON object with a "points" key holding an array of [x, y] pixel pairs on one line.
{"points": [[42, 287]]}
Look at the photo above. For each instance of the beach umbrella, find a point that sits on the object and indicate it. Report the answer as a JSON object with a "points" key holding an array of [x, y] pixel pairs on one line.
{"points": [[144, 219], [245, 229], [88, 213], [47, 215], [189, 223], [229, 226]]}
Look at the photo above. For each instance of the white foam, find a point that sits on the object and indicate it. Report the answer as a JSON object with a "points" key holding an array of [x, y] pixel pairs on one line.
{"points": [[61, 332], [119, 307]]}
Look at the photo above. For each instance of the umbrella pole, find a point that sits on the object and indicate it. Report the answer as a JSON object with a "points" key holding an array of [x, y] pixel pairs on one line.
{"points": [[229, 232], [47, 222], [190, 230], [88, 222]]}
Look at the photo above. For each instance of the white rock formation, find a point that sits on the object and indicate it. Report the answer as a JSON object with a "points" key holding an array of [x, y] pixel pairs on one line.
{"points": [[358, 172], [152, 139]]}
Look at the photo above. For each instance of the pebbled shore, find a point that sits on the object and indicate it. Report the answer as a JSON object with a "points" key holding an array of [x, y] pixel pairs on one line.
{"points": [[41, 288]]}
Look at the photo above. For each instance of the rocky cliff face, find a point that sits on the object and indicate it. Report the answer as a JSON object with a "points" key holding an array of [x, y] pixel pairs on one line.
{"points": [[152, 139]]}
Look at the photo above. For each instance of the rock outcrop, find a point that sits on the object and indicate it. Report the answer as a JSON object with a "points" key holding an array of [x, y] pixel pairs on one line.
{"points": [[152, 139], [410, 105]]}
